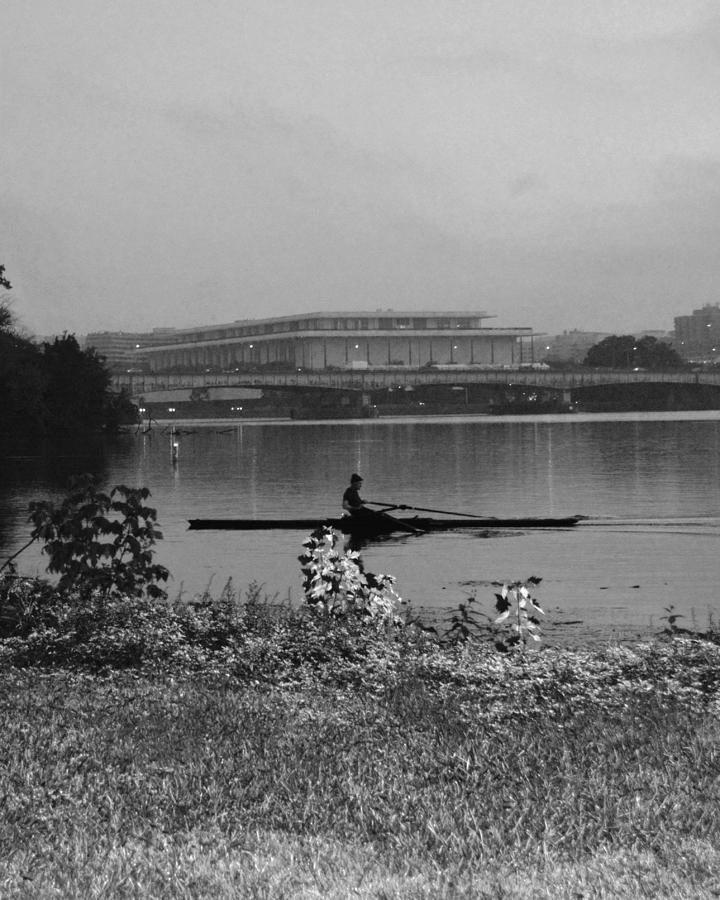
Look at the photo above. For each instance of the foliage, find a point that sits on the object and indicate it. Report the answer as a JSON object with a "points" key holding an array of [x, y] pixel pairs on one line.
{"points": [[101, 542], [77, 384], [671, 617], [7, 320], [92, 632], [55, 386], [334, 581], [22, 382], [118, 409], [466, 623], [512, 605], [628, 352], [22, 379], [21, 600]]}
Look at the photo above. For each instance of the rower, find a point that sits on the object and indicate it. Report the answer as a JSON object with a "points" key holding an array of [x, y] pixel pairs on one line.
{"points": [[352, 502]]}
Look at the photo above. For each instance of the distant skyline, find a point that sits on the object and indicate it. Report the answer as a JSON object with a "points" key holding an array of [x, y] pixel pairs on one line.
{"points": [[179, 164]]}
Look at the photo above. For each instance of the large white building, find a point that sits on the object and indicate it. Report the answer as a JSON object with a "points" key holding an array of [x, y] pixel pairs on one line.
{"points": [[325, 340]]}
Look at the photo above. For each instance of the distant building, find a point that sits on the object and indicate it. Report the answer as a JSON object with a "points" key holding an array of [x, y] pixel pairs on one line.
{"points": [[697, 337], [667, 336], [569, 347], [572, 346], [355, 340], [124, 350]]}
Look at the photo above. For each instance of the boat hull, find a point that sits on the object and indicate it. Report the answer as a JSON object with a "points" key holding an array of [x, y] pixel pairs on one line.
{"points": [[372, 525]]}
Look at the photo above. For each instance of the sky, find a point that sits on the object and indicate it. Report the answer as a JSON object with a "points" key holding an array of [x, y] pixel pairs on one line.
{"points": [[171, 163]]}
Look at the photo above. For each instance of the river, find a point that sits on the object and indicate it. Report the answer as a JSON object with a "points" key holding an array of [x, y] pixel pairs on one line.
{"points": [[648, 482]]}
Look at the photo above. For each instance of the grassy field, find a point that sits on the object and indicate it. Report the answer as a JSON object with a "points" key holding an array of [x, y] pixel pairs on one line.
{"points": [[296, 763]]}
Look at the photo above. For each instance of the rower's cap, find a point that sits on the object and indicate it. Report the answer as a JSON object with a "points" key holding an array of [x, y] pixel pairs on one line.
{"points": [[355, 477]]}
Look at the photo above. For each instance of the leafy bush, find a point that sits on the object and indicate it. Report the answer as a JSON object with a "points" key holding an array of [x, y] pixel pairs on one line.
{"points": [[101, 542], [336, 584]]}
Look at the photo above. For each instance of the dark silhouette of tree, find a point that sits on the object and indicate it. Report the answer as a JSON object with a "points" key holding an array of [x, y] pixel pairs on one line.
{"points": [[7, 320], [22, 379], [77, 385], [628, 352], [53, 387], [22, 383], [655, 354]]}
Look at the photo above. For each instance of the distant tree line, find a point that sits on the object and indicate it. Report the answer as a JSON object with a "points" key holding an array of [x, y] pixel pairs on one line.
{"points": [[52, 387], [627, 352]]}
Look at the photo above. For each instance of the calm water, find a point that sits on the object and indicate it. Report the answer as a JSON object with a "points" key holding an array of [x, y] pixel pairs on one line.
{"points": [[650, 484]]}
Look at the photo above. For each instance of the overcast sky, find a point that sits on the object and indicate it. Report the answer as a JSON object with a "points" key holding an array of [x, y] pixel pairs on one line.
{"points": [[183, 162]]}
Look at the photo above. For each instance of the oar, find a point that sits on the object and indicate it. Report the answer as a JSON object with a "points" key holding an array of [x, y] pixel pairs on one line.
{"points": [[424, 509], [403, 525]]}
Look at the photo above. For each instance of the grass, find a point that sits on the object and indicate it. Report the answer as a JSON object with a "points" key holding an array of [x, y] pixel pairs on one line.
{"points": [[406, 770]]}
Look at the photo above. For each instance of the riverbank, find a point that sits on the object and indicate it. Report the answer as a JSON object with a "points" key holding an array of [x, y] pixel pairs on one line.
{"points": [[237, 751]]}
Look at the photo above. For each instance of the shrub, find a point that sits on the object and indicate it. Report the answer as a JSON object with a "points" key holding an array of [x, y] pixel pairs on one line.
{"points": [[336, 584], [101, 542]]}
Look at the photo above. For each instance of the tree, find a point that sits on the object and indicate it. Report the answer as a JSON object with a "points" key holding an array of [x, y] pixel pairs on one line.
{"points": [[22, 385], [77, 387], [53, 387], [22, 380], [628, 352], [655, 354], [7, 320]]}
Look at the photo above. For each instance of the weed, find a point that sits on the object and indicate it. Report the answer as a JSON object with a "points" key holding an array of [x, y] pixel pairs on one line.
{"points": [[512, 605], [466, 623], [671, 617]]}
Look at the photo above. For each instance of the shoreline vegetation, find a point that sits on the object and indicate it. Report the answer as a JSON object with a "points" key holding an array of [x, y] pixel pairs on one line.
{"points": [[232, 747], [234, 750]]}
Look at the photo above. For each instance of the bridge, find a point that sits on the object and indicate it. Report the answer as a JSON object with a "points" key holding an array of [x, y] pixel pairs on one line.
{"points": [[365, 380]]}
